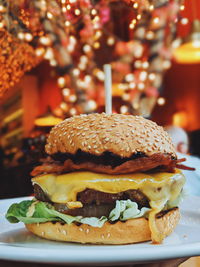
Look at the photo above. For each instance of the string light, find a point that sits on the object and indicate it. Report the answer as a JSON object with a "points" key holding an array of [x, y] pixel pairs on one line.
{"points": [[156, 20], [96, 45], [87, 48], [67, 23], [131, 26], [166, 64], [138, 64], [132, 85], [20, 35], [76, 72], [141, 86], [145, 64], [143, 75], [28, 37], [123, 109], [64, 106], [73, 111], [161, 101], [72, 98], [44, 40], [152, 76], [92, 105], [66, 91], [126, 97], [61, 81], [93, 12], [2, 9], [135, 5], [49, 15], [129, 77], [151, 7], [77, 12], [2, 24], [110, 41], [53, 63], [100, 75], [39, 51], [184, 21], [150, 35]]}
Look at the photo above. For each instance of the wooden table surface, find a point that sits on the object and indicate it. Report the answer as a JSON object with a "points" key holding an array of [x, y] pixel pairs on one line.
{"points": [[192, 262]]}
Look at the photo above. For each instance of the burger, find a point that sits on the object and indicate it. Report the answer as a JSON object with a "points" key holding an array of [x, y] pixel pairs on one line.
{"points": [[108, 179]]}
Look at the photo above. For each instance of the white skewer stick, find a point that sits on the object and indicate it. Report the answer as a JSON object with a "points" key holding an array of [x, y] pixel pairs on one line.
{"points": [[108, 87]]}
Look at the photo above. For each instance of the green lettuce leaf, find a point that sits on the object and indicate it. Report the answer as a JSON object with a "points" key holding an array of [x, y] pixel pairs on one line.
{"points": [[31, 211], [125, 210]]}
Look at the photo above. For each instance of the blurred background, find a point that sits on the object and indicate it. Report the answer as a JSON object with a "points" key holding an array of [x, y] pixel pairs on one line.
{"points": [[51, 63]]}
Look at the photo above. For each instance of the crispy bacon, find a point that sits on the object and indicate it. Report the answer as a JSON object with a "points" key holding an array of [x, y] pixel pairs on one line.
{"points": [[163, 162]]}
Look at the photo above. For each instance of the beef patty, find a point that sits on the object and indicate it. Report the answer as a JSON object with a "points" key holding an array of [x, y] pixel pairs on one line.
{"points": [[95, 203]]}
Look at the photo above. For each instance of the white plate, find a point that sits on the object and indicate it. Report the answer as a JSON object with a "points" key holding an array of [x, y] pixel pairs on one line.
{"points": [[17, 244]]}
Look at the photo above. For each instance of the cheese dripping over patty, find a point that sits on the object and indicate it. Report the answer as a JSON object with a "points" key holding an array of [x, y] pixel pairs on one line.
{"points": [[158, 187]]}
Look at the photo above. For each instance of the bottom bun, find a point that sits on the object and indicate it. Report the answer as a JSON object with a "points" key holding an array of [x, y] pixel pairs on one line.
{"points": [[131, 231]]}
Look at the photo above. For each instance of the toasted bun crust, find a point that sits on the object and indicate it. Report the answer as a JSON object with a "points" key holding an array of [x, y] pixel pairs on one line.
{"points": [[120, 134], [131, 231]]}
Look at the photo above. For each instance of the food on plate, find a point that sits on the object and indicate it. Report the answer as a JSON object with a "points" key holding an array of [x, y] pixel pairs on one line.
{"points": [[109, 179]]}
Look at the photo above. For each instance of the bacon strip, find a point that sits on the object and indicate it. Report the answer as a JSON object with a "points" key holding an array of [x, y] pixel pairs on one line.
{"points": [[162, 161]]}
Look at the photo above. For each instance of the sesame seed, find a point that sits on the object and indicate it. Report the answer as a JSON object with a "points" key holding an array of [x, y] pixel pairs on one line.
{"points": [[42, 233], [107, 139], [94, 146], [64, 232], [89, 147], [87, 230], [102, 236], [83, 134], [108, 235], [81, 229]]}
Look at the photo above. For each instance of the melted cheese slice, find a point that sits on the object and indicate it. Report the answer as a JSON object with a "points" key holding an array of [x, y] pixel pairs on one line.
{"points": [[158, 187]]}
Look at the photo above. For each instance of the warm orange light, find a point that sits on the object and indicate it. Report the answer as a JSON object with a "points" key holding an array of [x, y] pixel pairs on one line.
{"points": [[188, 53], [180, 119], [47, 121]]}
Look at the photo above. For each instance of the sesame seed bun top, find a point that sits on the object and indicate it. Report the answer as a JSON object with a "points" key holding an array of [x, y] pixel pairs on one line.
{"points": [[120, 134]]}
